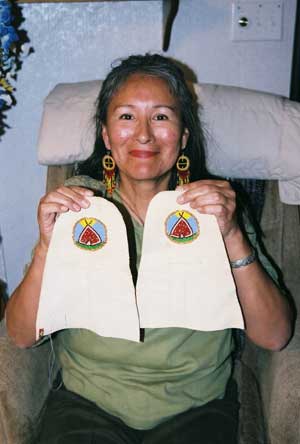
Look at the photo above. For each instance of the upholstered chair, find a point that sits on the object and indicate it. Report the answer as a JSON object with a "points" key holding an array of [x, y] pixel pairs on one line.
{"points": [[251, 135]]}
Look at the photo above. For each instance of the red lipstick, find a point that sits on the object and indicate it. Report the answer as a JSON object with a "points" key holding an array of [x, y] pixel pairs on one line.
{"points": [[143, 154]]}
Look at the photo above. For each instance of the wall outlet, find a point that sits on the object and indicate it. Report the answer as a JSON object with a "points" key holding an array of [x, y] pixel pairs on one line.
{"points": [[256, 20]]}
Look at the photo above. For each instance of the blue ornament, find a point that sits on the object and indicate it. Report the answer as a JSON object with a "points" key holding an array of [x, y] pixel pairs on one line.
{"points": [[9, 58]]}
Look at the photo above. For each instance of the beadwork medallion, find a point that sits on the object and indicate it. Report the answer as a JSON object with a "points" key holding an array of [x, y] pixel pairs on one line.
{"points": [[182, 227], [89, 234]]}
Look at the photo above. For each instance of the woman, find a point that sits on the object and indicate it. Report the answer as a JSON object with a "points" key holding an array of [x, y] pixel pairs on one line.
{"points": [[174, 386]]}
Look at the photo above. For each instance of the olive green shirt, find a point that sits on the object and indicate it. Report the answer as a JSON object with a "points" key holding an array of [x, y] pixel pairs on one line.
{"points": [[171, 371]]}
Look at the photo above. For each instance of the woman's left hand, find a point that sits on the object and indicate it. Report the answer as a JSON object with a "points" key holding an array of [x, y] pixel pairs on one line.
{"points": [[212, 197]]}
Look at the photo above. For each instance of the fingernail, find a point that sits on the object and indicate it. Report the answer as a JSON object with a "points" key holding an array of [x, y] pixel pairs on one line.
{"points": [[85, 203], [180, 199], [89, 192]]}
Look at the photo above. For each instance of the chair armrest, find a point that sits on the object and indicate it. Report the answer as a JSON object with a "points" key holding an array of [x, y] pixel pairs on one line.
{"points": [[283, 406], [251, 419], [279, 372], [23, 388], [278, 378]]}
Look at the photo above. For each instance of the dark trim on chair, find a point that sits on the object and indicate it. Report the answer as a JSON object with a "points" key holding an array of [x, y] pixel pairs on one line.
{"points": [[3, 298], [295, 75]]}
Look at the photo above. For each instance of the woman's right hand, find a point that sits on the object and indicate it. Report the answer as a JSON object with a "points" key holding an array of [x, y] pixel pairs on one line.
{"points": [[59, 201]]}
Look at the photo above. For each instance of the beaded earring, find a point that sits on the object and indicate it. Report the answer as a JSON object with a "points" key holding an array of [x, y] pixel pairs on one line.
{"points": [[109, 173], [182, 167]]}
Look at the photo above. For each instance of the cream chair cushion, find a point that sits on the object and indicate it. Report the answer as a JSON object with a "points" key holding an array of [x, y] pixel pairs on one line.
{"points": [[250, 134]]}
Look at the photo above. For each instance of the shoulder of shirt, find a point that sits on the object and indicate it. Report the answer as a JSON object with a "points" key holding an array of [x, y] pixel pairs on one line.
{"points": [[86, 182]]}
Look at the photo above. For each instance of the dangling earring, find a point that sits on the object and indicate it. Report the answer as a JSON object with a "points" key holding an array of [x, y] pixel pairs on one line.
{"points": [[109, 173], [183, 172]]}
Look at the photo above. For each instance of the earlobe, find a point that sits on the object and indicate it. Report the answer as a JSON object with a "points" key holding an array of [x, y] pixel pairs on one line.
{"points": [[184, 138], [105, 137]]}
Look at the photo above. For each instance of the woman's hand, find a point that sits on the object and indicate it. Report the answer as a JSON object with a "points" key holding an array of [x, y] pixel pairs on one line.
{"points": [[212, 197], [56, 202]]}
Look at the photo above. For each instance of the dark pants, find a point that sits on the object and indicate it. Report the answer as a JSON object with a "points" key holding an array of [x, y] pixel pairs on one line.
{"points": [[70, 419]]}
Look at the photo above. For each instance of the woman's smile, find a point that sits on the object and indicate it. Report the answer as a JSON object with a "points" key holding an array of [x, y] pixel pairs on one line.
{"points": [[143, 154]]}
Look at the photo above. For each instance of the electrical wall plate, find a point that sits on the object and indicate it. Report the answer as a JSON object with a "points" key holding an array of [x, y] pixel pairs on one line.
{"points": [[256, 20]]}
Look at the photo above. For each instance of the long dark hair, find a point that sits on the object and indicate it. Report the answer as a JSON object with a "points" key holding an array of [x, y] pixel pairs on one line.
{"points": [[166, 69]]}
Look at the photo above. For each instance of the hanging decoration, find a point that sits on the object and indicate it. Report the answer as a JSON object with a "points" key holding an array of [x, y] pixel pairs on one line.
{"points": [[12, 44]]}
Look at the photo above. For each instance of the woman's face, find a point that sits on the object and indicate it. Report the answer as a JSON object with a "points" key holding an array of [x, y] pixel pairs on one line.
{"points": [[143, 129]]}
